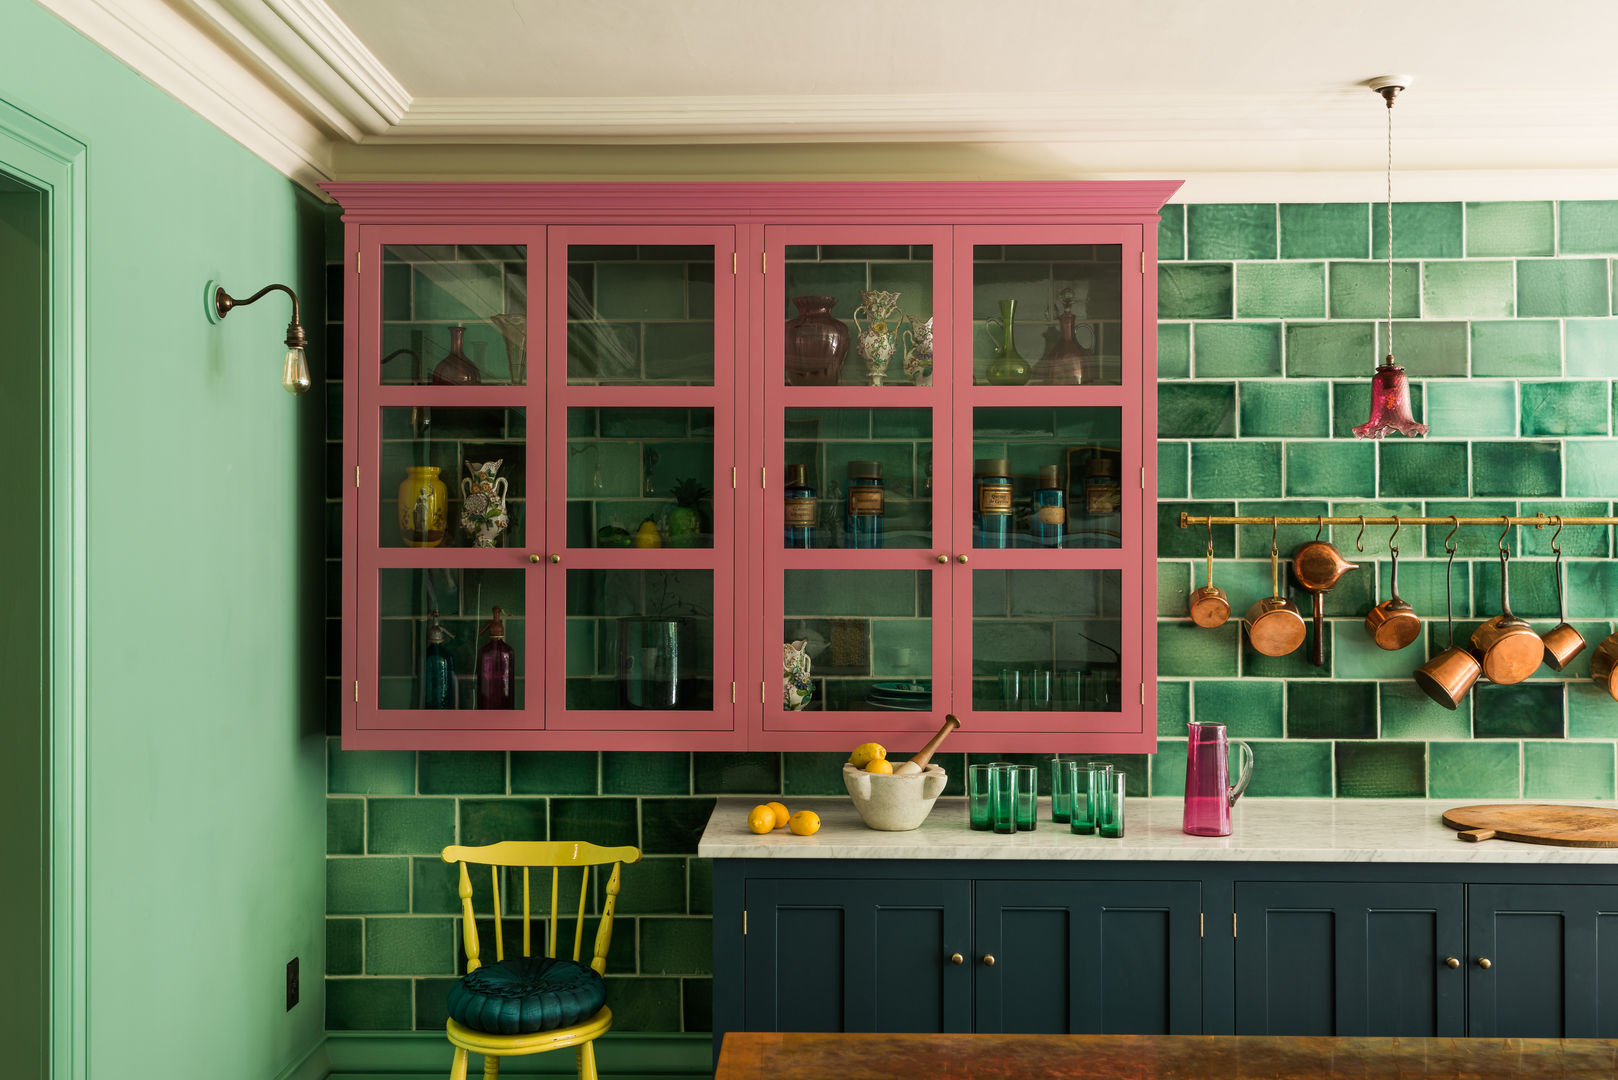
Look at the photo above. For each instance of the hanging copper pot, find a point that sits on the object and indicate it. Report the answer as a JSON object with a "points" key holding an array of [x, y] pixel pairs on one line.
{"points": [[1507, 647], [1209, 605], [1274, 624], [1318, 566], [1562, 642], [1604, 665], [1393, 624], [1448, 677]]}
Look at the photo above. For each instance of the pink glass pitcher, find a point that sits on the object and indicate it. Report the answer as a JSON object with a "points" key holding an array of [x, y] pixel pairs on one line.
{"points": [[1208, 794]]}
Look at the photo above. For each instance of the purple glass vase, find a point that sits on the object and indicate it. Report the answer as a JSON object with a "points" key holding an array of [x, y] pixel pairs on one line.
{"points": [[816, 343], [497, 669]]}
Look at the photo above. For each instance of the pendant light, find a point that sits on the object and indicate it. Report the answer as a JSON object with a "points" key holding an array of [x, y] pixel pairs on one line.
{"points": [[1390, 390]]}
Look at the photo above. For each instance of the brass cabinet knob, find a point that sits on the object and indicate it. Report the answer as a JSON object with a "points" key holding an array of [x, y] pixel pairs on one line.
{"points": [[943, 558], [533, 558], [556, 558], [1451, 962], [957, 958], [960, 558], [988, 959], [1485, 963]]}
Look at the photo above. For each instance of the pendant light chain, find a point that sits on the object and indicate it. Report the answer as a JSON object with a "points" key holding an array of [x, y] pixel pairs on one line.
{"points": [[1390, 224]]}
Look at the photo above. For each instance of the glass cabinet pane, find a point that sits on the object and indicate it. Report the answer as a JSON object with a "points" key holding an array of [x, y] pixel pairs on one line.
{"points": [[1046, 477], [439, 646], [640, 639], [453, 477], [640, 315], [858, 314], [869, 636], [454, 314], [1047, 640], [640, 477], [858, 478], [1062, 305]]}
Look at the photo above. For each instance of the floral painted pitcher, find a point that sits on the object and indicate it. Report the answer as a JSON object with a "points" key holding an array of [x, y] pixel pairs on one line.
{"points": [[796, 687], [918, 362], [876, 340], [483, 502]]}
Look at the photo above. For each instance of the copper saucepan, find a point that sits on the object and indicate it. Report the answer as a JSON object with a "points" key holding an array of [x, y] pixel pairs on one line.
{"points": [[1448, 677], [1393, 624], [1274, 623], [1210, 607], [1604, 665], [1562, 642], [1317, 567], [1507, 647]]}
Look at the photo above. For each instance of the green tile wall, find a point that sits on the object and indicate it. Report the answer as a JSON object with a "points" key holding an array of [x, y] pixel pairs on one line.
{"points": [[1268, 330]]}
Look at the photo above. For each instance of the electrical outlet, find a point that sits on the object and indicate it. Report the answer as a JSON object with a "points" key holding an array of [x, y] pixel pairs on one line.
{"points": [[292, 983]]}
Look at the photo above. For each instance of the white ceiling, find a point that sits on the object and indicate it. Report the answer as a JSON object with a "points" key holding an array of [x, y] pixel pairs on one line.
{"points": [[1248, 94]]}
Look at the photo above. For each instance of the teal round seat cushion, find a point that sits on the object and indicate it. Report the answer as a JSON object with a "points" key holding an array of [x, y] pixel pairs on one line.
{"points": [[526, 994]]}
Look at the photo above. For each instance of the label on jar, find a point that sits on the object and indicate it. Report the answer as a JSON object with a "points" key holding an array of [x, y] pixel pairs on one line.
{"points": [[994, 498], [1052, 515], [1102, 499], [865, 501], [803, 513]]}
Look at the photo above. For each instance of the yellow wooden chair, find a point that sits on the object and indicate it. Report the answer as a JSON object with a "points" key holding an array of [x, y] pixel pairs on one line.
{"points": [[525, 855]]}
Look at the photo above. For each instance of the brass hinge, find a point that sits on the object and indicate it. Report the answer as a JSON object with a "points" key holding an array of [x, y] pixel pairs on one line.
{"points": [[733, 692], [1201, 923], [356, 476], [1143, 478], [764, 262], [356, 690], [1143, 693], [733, 478], [1233, 924], [1143, 260], [732, 262], [358, 257], [744, 922], [761, 482], [761, 687]]}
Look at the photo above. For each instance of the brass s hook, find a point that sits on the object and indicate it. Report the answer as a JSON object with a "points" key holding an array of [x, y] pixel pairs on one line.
{"points": [[1449, 541], [1320, 527], [1210, 537], [1359, 541], [1556, 545], [1501, 543], [1275, 526], [1393, 545]]}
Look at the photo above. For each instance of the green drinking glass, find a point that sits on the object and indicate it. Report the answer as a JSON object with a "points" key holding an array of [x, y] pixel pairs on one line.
{"points": [[1062, 782], [1110, 818], [1003, 798], [1027, 798], [977, 796]]}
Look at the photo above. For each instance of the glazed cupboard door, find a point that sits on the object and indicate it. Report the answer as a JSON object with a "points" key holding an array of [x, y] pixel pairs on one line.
{"points": [[447, 486], [1050, 536], [640, 531], [854, 484]]}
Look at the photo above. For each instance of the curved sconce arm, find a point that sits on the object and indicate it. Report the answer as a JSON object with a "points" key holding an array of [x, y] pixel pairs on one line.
{"points": [[295, 368]]}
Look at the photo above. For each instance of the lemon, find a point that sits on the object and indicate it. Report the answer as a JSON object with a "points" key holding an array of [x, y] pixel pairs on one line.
{"points": [[761, 819], [805, 823], [864, 752], [782, 814], [878, 765]]}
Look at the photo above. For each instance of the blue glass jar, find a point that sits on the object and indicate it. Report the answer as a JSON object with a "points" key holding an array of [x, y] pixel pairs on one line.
{"points": [[1050, 510], [438, 684], [864, 507], [991, 508], [802, 513]]}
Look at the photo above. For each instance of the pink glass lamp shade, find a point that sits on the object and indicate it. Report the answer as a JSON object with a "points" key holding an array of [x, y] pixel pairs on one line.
{"points": [[1390, 405]]}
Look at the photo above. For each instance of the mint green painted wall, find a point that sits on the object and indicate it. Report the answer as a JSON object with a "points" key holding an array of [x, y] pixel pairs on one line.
{"points": [[205, 757]]}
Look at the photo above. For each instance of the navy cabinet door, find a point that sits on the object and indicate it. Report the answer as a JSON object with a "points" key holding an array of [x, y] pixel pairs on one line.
{"points": [[1553, 961], [1088, 957], [1338, 958], [858, 955]]}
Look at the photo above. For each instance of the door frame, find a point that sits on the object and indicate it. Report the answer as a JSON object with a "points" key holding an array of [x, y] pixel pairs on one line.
{"points": [[54, 162]]}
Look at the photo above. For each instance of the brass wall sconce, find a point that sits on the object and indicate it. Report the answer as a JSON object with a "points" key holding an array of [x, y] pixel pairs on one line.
{"points": [[295, 367]]}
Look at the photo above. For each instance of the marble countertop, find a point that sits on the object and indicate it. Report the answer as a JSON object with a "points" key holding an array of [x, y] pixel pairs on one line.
{"points": [[1264, 830]]}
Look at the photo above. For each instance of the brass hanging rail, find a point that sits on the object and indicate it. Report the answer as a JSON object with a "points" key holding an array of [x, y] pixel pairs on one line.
{"points": [[1538, 521]]}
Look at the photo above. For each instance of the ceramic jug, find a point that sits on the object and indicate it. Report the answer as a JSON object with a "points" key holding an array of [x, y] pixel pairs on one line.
{"points": [[1208, 793]]}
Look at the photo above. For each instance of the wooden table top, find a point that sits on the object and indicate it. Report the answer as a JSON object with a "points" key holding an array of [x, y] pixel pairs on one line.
{"points": [[772, 1056]]}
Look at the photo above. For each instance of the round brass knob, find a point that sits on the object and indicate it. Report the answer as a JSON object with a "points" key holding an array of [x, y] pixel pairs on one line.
{"points": [[1451, 962], [943, 558], [533, 558], [556, 558], [960, 558], [988, 959], [957, 958], [1485, 963]]}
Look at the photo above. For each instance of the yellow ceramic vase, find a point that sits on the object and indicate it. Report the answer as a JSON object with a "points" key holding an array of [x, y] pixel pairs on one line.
{"points": [[423, 507]]}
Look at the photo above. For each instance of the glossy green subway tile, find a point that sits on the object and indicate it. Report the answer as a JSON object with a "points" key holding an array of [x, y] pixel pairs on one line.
{"points": [[1295, 664], [1194, 290], [1334, 710], [1351, 405], [1292, 409], [733, 773], [1171, 232], [640, 1004], [645, 772], [1175, 542], [368, 1004], [608, 822], [461, 772], [1590, 468], [1555, 287], [1173, 350], [1281, 290], [1184, 648], [369, 772], [1408, 713], [1475, 407], [1196, 411], [1337, 469], [1237, 350], [1372, 544], [1231, 230], [367, 886], [1168, 767], [345, 826], [1173, 470], [700, 871], [1471, 541], [1359, 290], [1173, 588], [409, 946], [432, 1003], [1427, 349], [1291, 770], [653, 887], [1517, 348], [553, 772], [1173, 707], [1509, 228], [1566, 408], [1590, 713], [1589, 227], [807, 773], [489, 821], [1474, 770], [1424, 468], [1575, 540], [410, 826], [1476, 289], [1591, 589], [1330, 349], [1357, 656], [1421, 582], [1592, 347], [1325, 230], [1249, 708], [396, 293], [1523, 711], [1568, 770], [676, 946], [1421, 230], [1253, 541], [1235, 470], [673, 826], [1381, 770], [1245, 578], [345, 949], [640, 291], [1520, 469], [434, 886]]}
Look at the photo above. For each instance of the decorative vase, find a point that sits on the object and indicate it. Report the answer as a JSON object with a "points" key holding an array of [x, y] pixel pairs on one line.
{"points": [[1008, 368], [649, 675], [1065, 361], [816, 343], [497, 668], [796, 686], [514, 329], [455, 369], [423, 507], [877, 340], [918, 362], [483, 502]]}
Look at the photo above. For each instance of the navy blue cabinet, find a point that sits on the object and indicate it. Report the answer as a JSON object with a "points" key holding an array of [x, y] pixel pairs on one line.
{"points": [[1542, 962]]}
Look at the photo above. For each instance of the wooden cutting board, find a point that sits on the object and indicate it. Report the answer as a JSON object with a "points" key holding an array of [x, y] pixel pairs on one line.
{"points": [[1537, 823]]}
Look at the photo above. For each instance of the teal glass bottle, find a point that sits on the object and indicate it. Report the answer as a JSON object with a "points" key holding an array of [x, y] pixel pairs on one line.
{"points": [[991, 508], [802, 514], [862, 519], [1050, 510], [438, 683]]}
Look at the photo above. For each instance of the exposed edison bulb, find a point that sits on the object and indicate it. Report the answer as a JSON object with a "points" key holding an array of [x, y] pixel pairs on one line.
{"points": [[295, 372]]}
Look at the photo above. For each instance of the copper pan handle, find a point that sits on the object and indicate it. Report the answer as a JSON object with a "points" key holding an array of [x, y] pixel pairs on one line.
{"points": [[1317, 648]]}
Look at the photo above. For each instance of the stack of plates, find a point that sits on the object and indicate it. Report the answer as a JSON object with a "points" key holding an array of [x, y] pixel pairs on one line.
{"points": [[904, 696]]}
